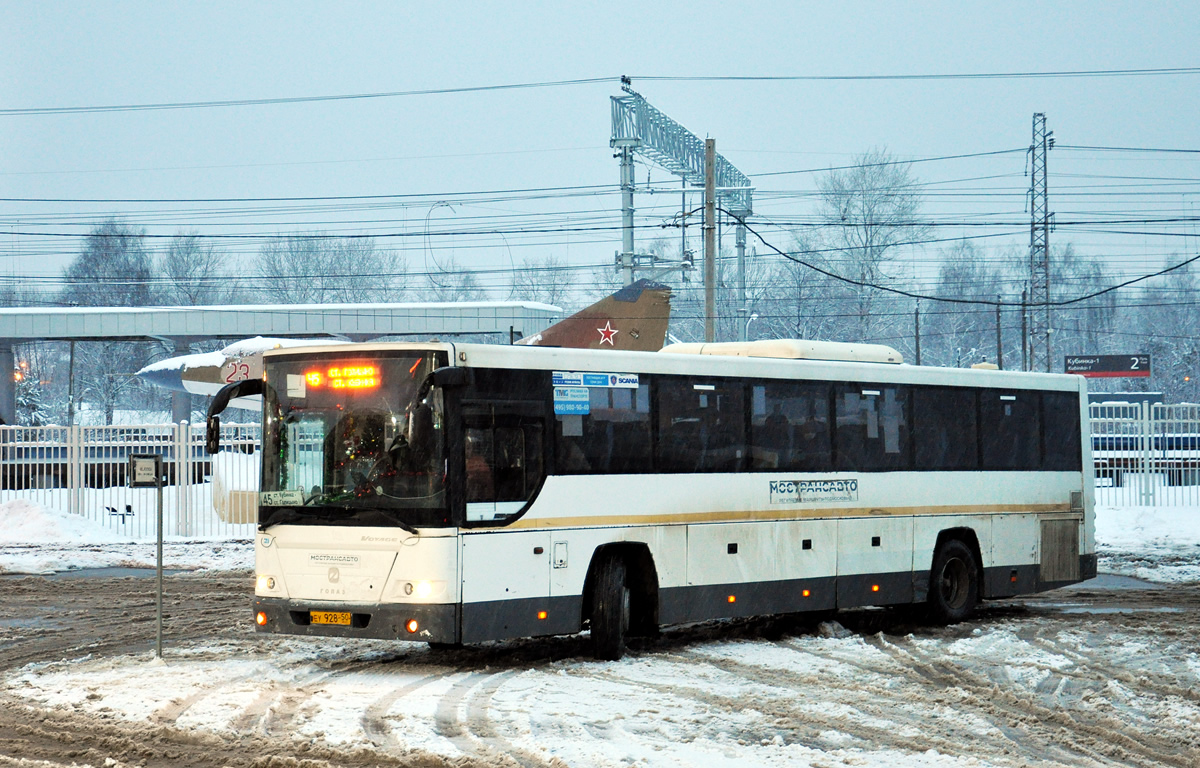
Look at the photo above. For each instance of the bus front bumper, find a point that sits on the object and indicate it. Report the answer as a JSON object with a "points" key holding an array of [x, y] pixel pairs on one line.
{"points": [[436, 623]]}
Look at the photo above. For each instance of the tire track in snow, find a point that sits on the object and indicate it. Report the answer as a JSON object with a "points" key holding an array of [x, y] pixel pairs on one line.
{"points": [[462, 718], [1106, 740]]}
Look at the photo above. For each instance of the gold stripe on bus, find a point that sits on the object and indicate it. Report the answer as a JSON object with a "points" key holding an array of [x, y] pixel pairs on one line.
{"points": [[782, 515]]}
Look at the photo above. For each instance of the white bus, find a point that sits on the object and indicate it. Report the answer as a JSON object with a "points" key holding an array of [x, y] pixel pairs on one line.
{"points": [[459, 493]]}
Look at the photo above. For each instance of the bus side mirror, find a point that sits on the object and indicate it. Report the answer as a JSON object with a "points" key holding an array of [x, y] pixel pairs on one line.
{"points": [[451, 377], [420, 427], [212, 435]]}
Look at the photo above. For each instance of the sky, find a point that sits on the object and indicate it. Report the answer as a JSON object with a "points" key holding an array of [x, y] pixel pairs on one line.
{"points": [[429, 158]]}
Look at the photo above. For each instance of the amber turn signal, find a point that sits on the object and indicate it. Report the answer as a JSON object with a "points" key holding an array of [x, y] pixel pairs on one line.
{"points": [[411, 626], [541, 614], [260, 619]]}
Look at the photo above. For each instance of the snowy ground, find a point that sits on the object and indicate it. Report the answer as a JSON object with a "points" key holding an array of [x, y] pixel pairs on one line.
{"points": [[1075, 677]]}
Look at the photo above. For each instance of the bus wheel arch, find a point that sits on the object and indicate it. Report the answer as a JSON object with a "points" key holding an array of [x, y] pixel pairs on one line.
{"points": [[955, 577], [640, 577]]}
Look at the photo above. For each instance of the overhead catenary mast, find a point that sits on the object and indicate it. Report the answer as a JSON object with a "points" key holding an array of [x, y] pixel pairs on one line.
{"points": [[1041, 222], [639, 127]]}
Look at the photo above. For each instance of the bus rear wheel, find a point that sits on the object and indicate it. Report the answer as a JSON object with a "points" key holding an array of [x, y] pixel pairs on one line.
{"points": [[953, 583], [610, 609]]}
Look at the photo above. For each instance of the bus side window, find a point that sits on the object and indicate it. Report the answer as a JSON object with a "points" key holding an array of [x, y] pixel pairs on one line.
{"points": [[612, 438], [789, 426], [1010, 429], [872, 427], [1060, 412], [701, 426], [945, 433]]}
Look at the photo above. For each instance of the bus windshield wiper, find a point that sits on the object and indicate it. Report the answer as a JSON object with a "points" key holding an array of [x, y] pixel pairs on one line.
{"points": [[395, 518]]}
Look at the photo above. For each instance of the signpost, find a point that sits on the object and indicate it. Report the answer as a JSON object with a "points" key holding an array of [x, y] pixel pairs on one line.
{"points": [[145, 471], [1108, 366]]}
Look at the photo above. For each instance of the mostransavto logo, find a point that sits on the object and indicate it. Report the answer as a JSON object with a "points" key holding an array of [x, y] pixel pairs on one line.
{"points": [[803, 491], [342, 560]]}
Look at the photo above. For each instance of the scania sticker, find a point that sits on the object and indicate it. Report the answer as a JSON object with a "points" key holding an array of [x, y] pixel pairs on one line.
{"points": [[584, 379], [805, 491]]}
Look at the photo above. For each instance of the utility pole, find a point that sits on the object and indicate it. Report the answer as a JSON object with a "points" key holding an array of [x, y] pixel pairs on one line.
{"points": [[626, 255], [1024, 331], [917, 326], [1041, 222], [999, 338], [710, 239]]}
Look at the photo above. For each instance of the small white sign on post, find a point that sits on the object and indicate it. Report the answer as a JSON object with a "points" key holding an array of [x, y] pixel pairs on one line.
{"points": [[145, 471]]}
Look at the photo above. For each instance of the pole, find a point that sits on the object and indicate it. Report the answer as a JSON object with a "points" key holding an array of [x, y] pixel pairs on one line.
{"points": [[739, 239], [710, 239], [917, 325], [71, 388], [1024, 333], [158, 639], [999, 340], [626, 261]]}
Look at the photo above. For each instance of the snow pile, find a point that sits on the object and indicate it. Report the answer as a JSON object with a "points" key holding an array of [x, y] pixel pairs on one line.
{"points": [[1154, 543], [25, 523], [34, 539]]}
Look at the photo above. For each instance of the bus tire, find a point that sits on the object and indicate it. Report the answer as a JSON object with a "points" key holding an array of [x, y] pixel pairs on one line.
{"points": [[953, 583], [610, 609]]}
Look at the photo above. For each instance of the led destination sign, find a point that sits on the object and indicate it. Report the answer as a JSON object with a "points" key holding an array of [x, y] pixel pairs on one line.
{"points": [[344, 377]]}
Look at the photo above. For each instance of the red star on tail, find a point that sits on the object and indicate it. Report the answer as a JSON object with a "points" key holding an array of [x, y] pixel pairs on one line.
{"points": [[607, 333]]}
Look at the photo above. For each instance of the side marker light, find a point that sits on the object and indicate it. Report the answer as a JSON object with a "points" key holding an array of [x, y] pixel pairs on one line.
{"points": [[260, 619], [805, 593], [411, 626], [541, 614], [874, 587], [733, 598]]}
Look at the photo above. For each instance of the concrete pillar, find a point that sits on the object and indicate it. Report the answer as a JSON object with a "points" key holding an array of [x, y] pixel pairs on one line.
{"points": [[181, 402], [8, 387]]}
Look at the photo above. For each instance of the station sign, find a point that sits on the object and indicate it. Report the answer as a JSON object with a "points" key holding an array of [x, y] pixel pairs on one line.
{"points": [[1108, 366]]}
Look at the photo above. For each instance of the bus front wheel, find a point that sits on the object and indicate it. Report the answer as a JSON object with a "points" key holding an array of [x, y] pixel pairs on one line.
{"points": [[610, 609], [953, 583]]}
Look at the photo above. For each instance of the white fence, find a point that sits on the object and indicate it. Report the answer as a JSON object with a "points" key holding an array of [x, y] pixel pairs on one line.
{"points": [[1144, 455], [83, 471]]}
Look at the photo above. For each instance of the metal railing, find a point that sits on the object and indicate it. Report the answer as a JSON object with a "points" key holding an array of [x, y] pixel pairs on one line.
{"points": [[83, 471], [1143, 455], [1146, 454]]}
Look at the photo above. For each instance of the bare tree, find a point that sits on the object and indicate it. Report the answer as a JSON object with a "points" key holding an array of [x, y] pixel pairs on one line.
{"points": [[454, 283], [194, 272], [546, 280], [312, 268], [113, 269], [869, 212]]}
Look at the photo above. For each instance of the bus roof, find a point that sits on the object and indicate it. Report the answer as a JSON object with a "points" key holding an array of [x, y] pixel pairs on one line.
{"points": [[668, 362]]}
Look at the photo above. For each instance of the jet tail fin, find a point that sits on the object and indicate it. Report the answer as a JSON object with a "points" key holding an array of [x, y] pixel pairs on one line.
{"points": [[633, 318]]}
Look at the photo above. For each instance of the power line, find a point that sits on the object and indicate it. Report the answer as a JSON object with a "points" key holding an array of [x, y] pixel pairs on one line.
{"points": [[987, 302], [295, 99]]}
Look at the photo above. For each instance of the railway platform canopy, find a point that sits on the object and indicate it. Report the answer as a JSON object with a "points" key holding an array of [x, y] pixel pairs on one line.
{"points": [[181, 326]]}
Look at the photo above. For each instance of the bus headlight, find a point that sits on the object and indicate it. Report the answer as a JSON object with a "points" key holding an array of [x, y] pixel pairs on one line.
{"points": [[264, 583], [422, 590]]}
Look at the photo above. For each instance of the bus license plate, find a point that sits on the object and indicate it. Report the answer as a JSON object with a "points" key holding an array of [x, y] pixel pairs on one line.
{"points": [[330, 617]]}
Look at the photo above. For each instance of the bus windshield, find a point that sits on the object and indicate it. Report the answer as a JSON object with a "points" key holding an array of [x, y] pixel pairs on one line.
{"points": [[352, 440]]}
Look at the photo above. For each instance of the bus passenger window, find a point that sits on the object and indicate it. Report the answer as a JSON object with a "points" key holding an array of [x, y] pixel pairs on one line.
{"points": [[789, 426], [1064, 452], [944, 428], [872, 427], [612, 438], [701, 426], [1010, 429]]}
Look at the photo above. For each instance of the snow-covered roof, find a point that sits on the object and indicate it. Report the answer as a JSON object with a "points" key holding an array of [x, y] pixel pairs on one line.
{"points": [[277, 320]]}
